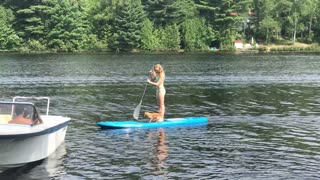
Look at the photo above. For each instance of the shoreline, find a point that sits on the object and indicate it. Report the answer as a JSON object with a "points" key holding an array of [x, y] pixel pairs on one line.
{"points": [[272, 48]]}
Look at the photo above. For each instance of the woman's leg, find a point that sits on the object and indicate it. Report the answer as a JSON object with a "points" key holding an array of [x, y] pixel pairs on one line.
{"points": [[160, 98]]}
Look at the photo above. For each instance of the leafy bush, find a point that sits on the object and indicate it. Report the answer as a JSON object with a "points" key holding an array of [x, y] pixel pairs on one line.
{"points": [[36, 45]]}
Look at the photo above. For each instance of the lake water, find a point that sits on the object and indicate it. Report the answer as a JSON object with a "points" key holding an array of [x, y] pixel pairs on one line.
{"points": [[263, 112]]}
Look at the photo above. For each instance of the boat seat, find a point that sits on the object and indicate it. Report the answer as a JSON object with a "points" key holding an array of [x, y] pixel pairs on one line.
{"points": [[4, 119]]}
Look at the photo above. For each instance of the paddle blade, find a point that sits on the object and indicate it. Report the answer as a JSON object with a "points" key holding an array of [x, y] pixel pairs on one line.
{"points": [[136, 112]]}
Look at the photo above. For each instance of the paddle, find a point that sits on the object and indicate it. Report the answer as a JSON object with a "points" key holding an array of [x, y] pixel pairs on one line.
{"points": [[136, 111]]}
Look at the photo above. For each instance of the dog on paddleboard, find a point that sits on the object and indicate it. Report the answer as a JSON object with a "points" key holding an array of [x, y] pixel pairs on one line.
{"points": [[153, 116]]}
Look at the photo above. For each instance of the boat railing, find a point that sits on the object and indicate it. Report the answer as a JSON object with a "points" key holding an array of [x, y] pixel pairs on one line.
{"points": [[36, 98]]}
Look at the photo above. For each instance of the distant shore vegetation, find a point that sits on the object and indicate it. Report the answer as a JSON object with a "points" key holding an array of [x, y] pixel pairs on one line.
{"points": [[158, 25]]}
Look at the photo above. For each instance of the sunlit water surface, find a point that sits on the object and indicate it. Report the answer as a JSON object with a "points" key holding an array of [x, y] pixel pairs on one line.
{"points": [[263, 115]]}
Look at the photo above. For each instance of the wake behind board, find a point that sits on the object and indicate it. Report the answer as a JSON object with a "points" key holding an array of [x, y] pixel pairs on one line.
{"points": [[170, 122]]}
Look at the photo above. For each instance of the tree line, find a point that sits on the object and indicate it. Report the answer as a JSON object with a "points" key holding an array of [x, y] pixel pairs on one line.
{"points": [[153, 25]]}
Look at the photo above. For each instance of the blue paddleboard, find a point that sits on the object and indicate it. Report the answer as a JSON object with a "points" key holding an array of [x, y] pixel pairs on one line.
{"points": [[170, 122]]}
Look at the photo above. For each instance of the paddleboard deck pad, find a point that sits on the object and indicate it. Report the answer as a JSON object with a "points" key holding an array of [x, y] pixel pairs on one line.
{"points": [[170, 122]]}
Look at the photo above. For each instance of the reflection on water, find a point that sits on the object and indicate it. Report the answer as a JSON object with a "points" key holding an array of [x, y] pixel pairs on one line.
{"points": [[54, 164], [161, 151], [16, 173]]}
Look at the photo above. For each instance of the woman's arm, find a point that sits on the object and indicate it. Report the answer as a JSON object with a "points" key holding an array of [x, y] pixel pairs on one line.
{"points": [[159, 83]]}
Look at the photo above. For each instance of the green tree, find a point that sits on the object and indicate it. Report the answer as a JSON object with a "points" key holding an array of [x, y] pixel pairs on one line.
{"points": [[268, 19], [69, 29], [227, 17], [268, 24], [30, 20], [164, 12], [33, 20], [314, 22], [197, 34], [127, 25], [101, 13], [31, 17], [169, 37], [9, 40], [149, 39], [308, 11], [157, 10]]}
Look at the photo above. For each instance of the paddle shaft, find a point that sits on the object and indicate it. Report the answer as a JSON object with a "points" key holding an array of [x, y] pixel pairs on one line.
{"points": [[136, 111], [144, 92]]}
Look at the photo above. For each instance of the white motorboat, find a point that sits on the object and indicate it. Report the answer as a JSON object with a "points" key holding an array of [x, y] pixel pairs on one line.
{"points": [[25, 135]]}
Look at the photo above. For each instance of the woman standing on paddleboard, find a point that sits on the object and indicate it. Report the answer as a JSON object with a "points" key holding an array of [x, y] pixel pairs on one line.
{"points": [[157, 77]]}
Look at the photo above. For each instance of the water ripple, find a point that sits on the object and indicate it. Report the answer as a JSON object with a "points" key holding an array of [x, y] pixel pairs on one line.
{"points": [[262, 109]]}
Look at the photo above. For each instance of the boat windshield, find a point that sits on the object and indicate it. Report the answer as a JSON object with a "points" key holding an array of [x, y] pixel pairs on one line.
{"points": [[19, 113]]}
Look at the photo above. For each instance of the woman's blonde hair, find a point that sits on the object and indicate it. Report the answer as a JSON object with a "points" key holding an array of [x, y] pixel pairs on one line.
{"points": [[158, 68]]}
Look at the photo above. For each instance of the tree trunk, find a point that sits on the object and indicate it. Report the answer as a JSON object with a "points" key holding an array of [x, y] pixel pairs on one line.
{"points": [[295, 30], [310, 24], [267, 38]]}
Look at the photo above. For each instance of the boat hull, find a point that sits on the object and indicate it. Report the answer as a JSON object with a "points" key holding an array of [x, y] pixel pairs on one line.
{"points": [[25, 135], [171, 122], [17, 151]]}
